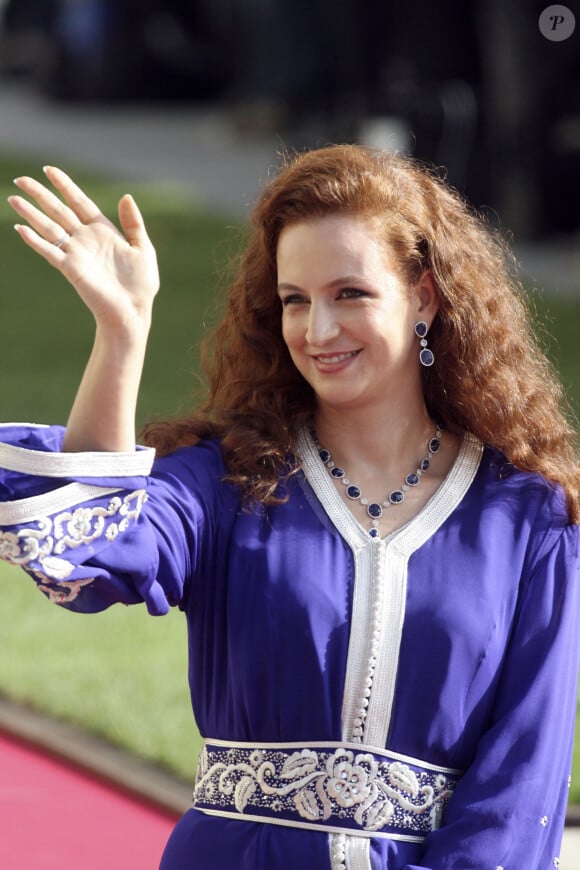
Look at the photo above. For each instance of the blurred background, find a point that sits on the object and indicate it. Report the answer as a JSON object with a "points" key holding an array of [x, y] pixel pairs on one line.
{"points": [[473, 86], [190, 104]]}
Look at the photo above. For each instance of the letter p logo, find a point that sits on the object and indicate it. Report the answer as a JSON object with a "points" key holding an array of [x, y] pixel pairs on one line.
{"points": [[557, 23]]}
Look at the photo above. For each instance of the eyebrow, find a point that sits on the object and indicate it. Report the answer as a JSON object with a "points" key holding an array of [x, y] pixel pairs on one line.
{"points": [[336, 282]]}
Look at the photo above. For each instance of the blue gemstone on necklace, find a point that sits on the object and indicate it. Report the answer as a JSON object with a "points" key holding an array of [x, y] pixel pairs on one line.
{"points": [[375, 510]]}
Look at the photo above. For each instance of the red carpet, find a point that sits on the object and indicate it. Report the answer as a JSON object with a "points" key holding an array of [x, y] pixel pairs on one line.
{"points": [[55, 817]]}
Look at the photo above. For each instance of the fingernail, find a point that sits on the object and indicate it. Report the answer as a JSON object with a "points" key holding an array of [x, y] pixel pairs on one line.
{"points": [[16, 180], [17, 227], [46, 169]]}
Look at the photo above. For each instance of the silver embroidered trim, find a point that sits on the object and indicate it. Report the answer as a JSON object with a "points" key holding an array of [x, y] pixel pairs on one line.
{"points": [[377, 620], [26, 510], [330, 786], [397, 550], [358, 853], [42, 547], [87, 464], [334, 832]]}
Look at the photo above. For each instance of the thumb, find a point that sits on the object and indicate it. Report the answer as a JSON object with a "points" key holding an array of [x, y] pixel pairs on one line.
{"points": [[132, 222]]}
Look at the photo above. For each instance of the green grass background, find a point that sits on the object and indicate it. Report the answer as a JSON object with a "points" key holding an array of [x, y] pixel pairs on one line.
{"points": [[122, 674]]}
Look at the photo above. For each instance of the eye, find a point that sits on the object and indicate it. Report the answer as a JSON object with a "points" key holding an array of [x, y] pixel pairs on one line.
{"points": [[292, 299], [352, 293]]}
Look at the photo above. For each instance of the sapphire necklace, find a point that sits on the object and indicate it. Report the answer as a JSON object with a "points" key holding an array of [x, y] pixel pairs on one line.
{"points": [[393, 498]]}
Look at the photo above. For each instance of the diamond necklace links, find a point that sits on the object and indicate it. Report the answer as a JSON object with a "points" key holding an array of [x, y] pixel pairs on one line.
{"points": [[393, 498]]}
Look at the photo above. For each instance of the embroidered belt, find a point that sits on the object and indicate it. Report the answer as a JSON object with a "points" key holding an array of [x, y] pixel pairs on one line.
{"points": [[336, 787]]}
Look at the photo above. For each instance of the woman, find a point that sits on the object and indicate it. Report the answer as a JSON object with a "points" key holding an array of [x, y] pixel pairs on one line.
{"points": [[371, 525]]}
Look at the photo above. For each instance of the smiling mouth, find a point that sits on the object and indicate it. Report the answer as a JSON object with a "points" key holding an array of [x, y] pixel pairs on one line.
{"points": [[330, 359]]}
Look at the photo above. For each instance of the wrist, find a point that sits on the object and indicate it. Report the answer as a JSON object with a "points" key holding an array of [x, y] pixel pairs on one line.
{"points": [[125, 335]]}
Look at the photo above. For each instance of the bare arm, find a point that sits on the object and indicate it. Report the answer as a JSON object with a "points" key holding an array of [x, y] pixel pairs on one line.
{"points": [[115, 274]]}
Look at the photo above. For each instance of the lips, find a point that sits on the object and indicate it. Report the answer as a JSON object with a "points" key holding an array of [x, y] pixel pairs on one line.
{"points": [[333, 359]]}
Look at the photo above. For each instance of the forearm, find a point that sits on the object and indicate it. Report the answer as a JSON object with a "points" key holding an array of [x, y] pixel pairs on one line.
{"points": [[115, 274], [103, 413]]}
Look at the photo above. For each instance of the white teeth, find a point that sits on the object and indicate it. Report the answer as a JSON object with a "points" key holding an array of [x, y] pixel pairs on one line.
{"points": [[339, 357]]}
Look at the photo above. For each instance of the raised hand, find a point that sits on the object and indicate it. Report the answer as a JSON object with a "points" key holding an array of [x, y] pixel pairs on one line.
{"points": [[115, 273]]}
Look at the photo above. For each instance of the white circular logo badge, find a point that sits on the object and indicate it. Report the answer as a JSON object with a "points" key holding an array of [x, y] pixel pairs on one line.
{"points": [[557, 23]]}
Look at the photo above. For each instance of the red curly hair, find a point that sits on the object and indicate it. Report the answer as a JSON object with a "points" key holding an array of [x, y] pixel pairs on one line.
{"points": [[491, 377]]}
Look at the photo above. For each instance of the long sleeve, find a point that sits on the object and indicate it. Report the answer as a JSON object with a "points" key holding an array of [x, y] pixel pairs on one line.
{"points": [[509, 808], [280, 604], [93, 529]]}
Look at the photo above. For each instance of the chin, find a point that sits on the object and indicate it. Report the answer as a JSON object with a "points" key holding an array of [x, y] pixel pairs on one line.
{"points": [[339, 402]]}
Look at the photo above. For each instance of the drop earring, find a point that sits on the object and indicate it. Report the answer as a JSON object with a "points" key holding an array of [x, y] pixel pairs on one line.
{"points": [[426, 355]]}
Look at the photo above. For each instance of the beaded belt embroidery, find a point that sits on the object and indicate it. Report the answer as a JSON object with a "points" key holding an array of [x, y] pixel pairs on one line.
{"points": [[336, 787]]}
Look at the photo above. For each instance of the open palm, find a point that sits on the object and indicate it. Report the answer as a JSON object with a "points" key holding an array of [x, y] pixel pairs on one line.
{"points": [[114, 272]]}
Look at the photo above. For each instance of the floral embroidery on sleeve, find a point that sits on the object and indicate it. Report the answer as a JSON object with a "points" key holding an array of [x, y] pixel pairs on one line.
{"points": [[41, 547], [65, 592]]}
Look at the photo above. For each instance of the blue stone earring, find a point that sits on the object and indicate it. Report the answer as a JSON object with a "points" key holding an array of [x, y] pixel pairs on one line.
{"points": [[426, 355]]}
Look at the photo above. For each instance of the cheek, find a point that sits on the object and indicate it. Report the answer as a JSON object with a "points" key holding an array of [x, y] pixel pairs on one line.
{"points": [[373, 327], [291, 329], [390, 327]]}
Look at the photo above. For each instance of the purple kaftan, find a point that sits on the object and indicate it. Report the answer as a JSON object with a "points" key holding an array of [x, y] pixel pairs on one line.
{"points": [[453, 644]]}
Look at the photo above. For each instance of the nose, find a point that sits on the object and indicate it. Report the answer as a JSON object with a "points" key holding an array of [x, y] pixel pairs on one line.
{"points": [[323, 325]]}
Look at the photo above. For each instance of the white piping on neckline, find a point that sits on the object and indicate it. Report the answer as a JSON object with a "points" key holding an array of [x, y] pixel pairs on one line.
{"points": [[377, 618]]}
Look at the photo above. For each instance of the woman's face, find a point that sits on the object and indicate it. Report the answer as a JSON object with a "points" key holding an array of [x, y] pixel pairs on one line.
{"points": [[347, 317]]}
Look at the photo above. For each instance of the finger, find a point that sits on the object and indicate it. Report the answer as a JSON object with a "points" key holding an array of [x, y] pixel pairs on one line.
{"points": [[82, 206], [50, 252], [48, 203], [132, 222], [44, 226]]}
